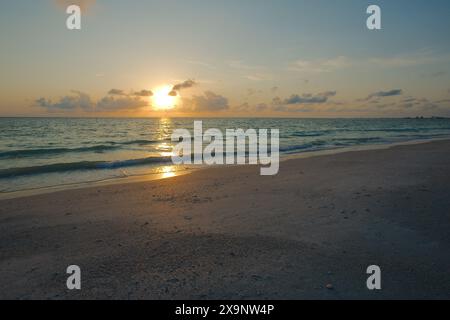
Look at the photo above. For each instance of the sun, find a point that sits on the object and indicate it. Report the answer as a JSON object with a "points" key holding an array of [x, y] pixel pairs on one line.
{"points": [[162, 100]]}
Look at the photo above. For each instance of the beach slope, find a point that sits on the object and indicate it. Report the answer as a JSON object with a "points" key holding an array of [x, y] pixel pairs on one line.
{"points": [[229, 233]]}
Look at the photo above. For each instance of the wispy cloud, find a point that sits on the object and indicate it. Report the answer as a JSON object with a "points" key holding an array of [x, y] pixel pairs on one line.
{"points": [[202, 64], [241, 65], [257, 77], [411, 59], [384, 94], [417, 58], [321, 66]]}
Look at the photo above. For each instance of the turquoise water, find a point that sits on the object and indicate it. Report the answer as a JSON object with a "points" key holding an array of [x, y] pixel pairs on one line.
{"points": [[36, 153]]}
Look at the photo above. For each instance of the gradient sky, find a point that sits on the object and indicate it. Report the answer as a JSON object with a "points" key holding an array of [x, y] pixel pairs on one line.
{"points": [[283, 58]]}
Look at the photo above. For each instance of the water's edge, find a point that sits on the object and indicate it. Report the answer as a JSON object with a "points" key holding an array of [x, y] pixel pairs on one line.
{"points": [[192, 169]]}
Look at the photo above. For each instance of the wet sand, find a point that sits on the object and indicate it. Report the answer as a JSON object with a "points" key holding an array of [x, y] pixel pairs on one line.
{"points": [[229, 233]]}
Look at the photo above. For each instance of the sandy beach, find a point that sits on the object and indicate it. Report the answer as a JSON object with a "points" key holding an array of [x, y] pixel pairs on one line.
{"points": [[229, 233]]}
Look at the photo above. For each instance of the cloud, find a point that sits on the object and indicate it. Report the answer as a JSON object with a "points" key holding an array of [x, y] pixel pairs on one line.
{"points": [[321, 66], [257, 77], [184, 85], [408, 105], [384, 94], [419, 104], [305, 98], [77, 101], [410, 59], [209, 101], [117, 92], [115, 100], [111, 103], [144, 93], [181, 86], [83, 4], [443, 101]]}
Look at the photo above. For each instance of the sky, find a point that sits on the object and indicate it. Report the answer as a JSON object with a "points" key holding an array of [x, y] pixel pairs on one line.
{"points": [[274, 58]]}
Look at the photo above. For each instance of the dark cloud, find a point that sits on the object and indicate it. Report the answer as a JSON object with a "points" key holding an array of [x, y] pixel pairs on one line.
{"points": [[184, 85], [447, 101], [416, 104], [119, 100], [77, 101], [305, 98], [111, 103], [383, 94], [409, 99], [180, 86], [408, 105], [117, 92], [144, 93], [115, 100], [210, 101]]}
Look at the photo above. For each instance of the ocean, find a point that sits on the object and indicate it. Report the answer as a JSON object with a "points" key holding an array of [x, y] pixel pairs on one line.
{"points": [[47, 152]]}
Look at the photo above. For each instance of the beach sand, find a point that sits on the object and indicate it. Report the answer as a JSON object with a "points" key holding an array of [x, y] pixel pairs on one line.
{"points": [[229, 233]]}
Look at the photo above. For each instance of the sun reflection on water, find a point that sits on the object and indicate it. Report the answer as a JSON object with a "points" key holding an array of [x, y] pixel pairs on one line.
{"points": [[168, 172]]}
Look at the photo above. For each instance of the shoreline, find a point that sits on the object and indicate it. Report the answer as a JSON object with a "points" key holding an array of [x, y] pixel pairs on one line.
{"points": [[191, 169]]}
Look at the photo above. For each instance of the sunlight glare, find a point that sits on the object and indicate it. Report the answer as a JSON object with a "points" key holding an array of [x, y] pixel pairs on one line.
{"points": [[162, 100]]}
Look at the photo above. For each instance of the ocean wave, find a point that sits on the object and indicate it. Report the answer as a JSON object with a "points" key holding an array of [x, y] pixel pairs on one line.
{"points": [[108, 146], [82, 165], [359, 140], [332, 143], [53, 151], [301, 147], [419, 129], [141, 142], [309, 134]]}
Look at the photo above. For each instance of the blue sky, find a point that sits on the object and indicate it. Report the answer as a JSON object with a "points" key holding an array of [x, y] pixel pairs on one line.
{"points": [[246, 57]]}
